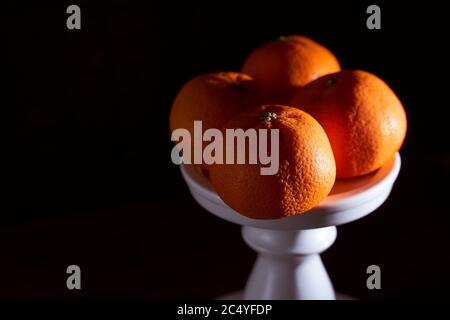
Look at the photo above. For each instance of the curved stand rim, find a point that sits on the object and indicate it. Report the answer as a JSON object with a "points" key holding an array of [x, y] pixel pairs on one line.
{"points": [[338, 208]]}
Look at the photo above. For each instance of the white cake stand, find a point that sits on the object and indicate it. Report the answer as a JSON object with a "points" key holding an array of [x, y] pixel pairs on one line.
{"points": [[289, 265]]}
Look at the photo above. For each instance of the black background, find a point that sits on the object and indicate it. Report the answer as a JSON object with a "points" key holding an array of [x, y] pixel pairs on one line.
{"points": [[86, 174]]}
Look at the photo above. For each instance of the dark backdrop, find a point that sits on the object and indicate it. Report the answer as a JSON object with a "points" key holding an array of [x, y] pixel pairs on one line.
{"points": [[85, 169]]}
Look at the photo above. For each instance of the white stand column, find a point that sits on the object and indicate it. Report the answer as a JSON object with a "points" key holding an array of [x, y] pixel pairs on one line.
{"points": [[288, 264]]}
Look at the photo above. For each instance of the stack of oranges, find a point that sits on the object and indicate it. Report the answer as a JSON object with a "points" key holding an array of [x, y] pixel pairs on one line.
{"points": [[332, 124]]}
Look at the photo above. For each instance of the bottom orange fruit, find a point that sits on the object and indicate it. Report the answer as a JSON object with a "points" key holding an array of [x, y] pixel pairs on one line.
{"points": [[306, 168]]}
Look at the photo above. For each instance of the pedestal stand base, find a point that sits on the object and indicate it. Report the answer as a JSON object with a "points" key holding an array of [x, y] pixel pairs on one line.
{"points": [[289, 264], [238, 295]]}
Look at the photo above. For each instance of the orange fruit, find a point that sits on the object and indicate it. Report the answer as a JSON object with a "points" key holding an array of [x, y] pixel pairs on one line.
{"points": [[362, 116], [213, 98], [280, 66], [306, 171]]}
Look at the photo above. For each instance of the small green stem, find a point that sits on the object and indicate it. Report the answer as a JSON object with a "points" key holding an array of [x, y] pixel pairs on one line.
{"points": [[268, 116]]}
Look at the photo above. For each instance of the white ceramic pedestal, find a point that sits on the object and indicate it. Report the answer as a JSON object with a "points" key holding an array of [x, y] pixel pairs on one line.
{"points": [[289, 264]]}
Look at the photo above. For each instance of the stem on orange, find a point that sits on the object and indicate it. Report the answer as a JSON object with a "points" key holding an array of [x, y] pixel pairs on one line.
{"points": [[268, 116]]}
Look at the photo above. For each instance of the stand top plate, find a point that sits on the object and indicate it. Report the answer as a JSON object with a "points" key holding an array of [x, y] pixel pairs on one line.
{"points": [[350, 199]]}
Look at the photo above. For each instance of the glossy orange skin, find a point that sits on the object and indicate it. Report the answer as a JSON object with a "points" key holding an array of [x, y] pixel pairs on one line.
{"points": [[363, 118], [306, 167], [213, 98], [282, 65]]}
